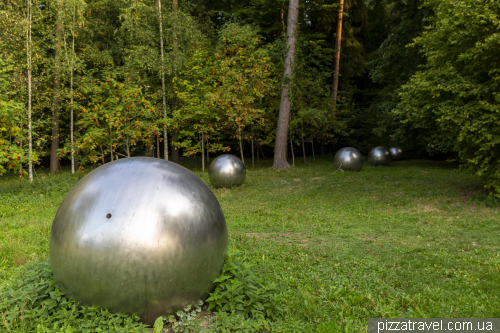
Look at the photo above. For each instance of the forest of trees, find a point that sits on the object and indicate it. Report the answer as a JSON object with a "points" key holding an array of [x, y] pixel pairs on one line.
{"points": [[90, 81]]}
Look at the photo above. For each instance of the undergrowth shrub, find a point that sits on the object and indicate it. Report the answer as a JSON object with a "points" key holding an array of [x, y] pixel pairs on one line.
{"points": [[31, 302], [243, 300], [241, 290]]}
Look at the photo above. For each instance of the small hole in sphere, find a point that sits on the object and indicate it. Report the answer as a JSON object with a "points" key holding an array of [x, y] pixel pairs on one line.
{"points": [[108, 215]]}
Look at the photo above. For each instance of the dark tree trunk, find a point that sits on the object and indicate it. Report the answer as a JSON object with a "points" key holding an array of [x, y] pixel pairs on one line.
{"points": [[202, 152], [157, 146], [312, 147], [303, 144], [258, 159], [241, 146], [280, 147], [208, 156], [174, 153], [335, 86], [253, 155], [54, 163], [149, 150]]}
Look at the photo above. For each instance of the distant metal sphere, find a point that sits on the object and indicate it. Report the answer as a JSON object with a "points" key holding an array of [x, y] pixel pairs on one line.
{"points": [[379, 156], [396, 153], [227, 171], [349, 159], [138, 235]]}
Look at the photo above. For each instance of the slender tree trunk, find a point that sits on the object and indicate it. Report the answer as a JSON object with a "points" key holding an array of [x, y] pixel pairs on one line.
{"points": [[280, 148], [128, 147], [175, 131], [71, 115], [312, 147], [291, 148], [54, 164], [262, 151], [303, 144], [258, 145], [175, 150], [165, 134], [202, 152], [102, 154], [21, 146], [335, 85], [241, 146], [111, 143], [253, 158], [208, 150], [30, 138], [157, 146]]}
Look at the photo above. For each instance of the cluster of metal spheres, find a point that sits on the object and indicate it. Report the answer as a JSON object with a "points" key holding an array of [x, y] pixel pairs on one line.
{"points": [[351, 159], [147, 236], [138, 235]]}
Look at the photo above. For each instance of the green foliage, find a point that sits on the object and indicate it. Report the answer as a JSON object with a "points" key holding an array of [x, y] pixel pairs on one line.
{"points": [[197, 121], [220, 93], [117, 117], [241, 79], [224, 322], [311, 95], [456, 92], [240, 290], [185, 320], [11, 154], [31, 302], [393, 24]]}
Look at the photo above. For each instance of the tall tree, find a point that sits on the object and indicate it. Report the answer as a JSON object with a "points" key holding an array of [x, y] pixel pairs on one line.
{"points": [[336, 66], [175, 130], [280, 148], [164, 99], [56, 106], [28, 58]]}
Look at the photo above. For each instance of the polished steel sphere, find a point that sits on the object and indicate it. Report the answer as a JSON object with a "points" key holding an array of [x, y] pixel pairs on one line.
{"points": [[349, 159], [227, 171], [379, 156], [138, 235], [396, 153]]}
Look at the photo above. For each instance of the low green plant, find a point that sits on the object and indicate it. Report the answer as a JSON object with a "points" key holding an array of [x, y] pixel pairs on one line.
{"points": [[244, 301], [483, 197], [234, 322], [240, 289], [186, 320], [31, 302]]}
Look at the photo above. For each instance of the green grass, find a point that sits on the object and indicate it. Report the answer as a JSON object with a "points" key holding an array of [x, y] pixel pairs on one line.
{"points": [[396, 241]]}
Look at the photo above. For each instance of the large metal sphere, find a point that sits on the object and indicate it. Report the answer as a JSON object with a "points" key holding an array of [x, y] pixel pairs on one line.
{"points": [[349, 159], [379, 156], [227, 171], [396, 153], [138, 235]]}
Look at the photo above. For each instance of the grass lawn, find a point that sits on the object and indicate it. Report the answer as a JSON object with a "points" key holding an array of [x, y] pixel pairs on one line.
{"points": [[397, 241]]}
